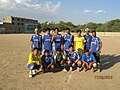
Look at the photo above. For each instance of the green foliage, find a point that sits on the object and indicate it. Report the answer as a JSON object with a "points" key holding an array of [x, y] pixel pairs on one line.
{"points": [[110, 26]]}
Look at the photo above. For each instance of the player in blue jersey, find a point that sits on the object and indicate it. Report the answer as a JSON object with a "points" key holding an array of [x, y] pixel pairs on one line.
{"points": [[48, 62], [74, 59], [88, 38], [47, 41], [36, 41], [68, 39], [57, 40], [96, 46], [89, 61]]}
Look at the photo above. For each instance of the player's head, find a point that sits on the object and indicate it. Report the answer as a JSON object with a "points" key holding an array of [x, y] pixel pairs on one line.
{"points": [[87, 30], [35, 51], [36, 31], [58, 51], [47, 30], [71, 48], [87, 52], [78, 32], [94, 33], [68, 30], [46, 53], [56, 30], [65, 52]]}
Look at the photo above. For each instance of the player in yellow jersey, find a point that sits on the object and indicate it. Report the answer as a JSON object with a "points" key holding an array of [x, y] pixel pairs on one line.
{"points": [[79, 43], [34, 63]]}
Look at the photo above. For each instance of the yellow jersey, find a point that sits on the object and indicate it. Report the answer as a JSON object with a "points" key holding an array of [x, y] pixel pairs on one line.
{"points": [[79, 43], [34, 59]]}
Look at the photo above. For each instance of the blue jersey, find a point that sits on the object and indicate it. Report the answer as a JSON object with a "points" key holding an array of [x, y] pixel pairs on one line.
{"points": [[73, 56], [48, 59], [47, 40], [37, 41], [88, 41], [95, 44], [89, 58], [58, 41], [68, 40]]}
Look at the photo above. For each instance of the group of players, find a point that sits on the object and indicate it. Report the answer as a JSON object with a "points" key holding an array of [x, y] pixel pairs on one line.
{"points": [[52, 52]]}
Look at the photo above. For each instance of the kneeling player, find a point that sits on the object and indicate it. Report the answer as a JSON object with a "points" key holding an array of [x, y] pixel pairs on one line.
{"points": [[48, 62], [34, 63], [89, 61], [58, 58], [74, 59]]}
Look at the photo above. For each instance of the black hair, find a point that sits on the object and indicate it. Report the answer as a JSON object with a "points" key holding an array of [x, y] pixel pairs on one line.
{"points": [[71, 46], [86, 50], [46, 51], [93, 31], [57, 29], [35, 48], [47, 29], [68, 29], [78, 31], [58, 49]]}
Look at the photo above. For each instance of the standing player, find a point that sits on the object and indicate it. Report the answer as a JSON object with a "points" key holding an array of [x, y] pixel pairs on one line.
{"points": [[47, 41], [57, 40], [74, 59], [88, 38], [96, 46], [36, 41], [68, 40], [79, 43]]}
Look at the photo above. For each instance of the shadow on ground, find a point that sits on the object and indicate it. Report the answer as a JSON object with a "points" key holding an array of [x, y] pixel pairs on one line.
{"points": [[107, 61]]}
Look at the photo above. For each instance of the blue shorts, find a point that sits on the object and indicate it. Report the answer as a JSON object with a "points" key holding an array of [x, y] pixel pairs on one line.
{"points": [[35, 66]]}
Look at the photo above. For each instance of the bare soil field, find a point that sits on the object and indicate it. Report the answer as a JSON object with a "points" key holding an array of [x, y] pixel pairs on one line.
{"points": [[14, 52]]}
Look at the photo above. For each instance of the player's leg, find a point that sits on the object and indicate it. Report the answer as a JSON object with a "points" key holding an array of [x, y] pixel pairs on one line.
{"points": [[53, 68], [94, 65], [64, 65], [86, 66], [70, 65], [79, 66], [31, 66]]}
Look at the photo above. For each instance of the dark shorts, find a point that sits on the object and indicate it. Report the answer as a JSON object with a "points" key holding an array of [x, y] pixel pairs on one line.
{"points": [[97, 57]]}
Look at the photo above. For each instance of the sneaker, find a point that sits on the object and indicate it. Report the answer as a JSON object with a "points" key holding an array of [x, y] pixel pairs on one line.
{"points": [[70, 69], [33, 71], [78, 69], [64, 70], [30, 74]]}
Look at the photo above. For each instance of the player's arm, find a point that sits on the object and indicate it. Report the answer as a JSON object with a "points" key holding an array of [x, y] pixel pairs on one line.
{"points": [[31, 43], [90, 46], [53, 36], [51, 62], [74, 44], [100, 48], [41, 65], [43, 40], [31, 46]]}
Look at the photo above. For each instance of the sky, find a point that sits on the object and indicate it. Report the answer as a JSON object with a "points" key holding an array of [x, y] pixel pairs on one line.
{"points": [[75, 11]]}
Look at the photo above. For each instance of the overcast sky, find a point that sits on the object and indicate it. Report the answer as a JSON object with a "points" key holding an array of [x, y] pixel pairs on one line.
{"points": [[76, 11]]}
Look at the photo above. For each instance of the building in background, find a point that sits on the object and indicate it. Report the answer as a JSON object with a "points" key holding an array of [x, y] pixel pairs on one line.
{"points": [[18, 25]]}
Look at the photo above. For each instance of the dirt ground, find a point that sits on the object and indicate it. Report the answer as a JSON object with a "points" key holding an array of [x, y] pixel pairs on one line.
{"points": [[14, 51]]}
